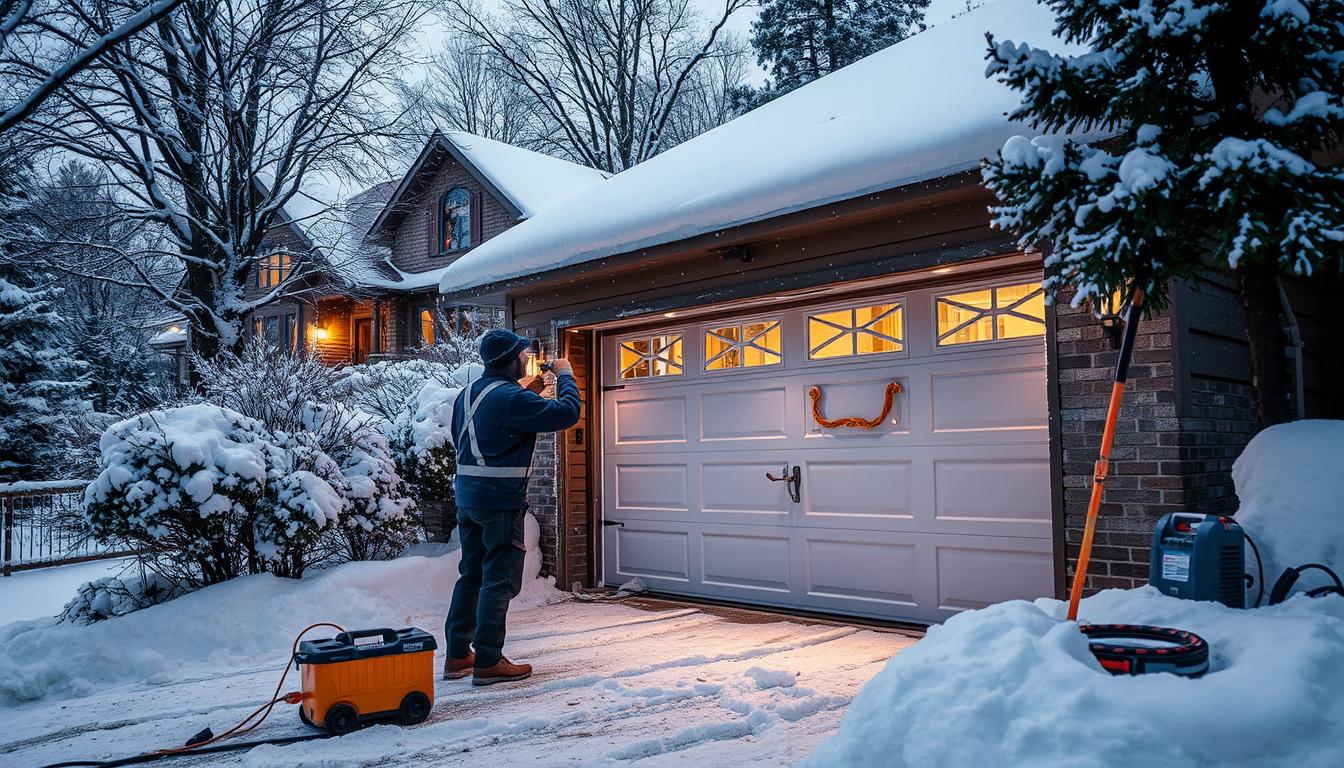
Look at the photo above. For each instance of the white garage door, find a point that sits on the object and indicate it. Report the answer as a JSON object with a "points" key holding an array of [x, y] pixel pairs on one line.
{"points": [[944, 505]]}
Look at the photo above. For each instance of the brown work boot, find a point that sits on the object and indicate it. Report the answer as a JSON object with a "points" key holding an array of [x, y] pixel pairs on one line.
{"points": [[503, 672], [456, 669]]}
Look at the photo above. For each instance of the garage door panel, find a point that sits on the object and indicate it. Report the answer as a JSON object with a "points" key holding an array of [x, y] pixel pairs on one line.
{"points": [[989, 400], [652, 554], [742, 487], [745, 560], [856, 489], [945, 506], [997, 570], [744, 414], [654, 419], [661, 487], [842, 569], [992, 491]]}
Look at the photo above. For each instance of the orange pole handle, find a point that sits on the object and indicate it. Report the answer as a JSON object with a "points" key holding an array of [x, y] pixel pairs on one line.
{"points": [[1103, 465]]}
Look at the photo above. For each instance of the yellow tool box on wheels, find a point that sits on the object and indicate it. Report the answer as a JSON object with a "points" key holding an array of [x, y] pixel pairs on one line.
{"points": [[367, 674]]}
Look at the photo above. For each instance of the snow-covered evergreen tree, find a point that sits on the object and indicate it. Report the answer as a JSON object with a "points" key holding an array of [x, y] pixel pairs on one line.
{"points": [[1212, 122], [39, 383], [798, 41]]}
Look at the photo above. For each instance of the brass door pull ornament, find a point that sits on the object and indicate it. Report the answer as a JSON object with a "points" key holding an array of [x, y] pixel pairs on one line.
{"points": [[889, 399]]}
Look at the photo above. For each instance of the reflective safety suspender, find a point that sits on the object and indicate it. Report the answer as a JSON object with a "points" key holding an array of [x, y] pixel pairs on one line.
{"points": [[478, 468]]}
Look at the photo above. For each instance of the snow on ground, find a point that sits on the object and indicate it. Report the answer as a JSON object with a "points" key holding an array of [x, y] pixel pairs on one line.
{"points": [[41, 592], [615, 683], [1294, 471], [1015, 684]]}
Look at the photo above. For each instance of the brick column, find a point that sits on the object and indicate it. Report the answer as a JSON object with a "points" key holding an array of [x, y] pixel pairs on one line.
{"points": [[1147, 476]]}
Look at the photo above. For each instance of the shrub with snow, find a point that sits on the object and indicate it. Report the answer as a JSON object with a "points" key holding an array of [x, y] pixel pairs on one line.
{"points": [[414, 399], [314, 413], [118, 595], [184, 483], [376, 513]]}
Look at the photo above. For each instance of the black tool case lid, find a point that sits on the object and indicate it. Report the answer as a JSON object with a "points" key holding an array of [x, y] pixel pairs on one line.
{"points": [[345, 645]]}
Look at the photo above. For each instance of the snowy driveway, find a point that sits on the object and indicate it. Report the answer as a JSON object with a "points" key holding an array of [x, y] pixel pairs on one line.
{"points": [[615, 684]]}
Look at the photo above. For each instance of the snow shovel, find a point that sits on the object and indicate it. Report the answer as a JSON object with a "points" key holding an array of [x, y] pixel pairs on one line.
{"points": [[1102, 467]]}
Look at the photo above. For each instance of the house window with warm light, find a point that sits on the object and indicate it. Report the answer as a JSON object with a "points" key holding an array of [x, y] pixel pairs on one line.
{"points": [[649, 357], [1012, 311], [424, 318], [272, 269], [455, 220], [743, 345], [855, 331]]}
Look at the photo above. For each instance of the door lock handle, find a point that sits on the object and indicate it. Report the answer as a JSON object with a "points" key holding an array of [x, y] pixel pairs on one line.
{"points": [[794, 482]]}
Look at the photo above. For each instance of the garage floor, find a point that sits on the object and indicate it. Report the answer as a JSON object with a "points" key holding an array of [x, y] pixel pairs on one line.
{"points": [[647, 682]]}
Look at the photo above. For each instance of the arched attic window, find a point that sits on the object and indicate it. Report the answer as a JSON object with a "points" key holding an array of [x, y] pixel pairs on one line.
{"points": [[457, 220]]}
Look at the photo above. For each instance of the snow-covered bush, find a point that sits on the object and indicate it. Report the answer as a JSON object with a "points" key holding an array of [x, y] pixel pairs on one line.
{"points": [[413, 400], [118, 595], [315, 415], [268, 384], [376, 513], [184, 484]]}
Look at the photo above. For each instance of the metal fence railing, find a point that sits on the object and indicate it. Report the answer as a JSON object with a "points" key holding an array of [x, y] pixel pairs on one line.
{"points": [[44, 525]]}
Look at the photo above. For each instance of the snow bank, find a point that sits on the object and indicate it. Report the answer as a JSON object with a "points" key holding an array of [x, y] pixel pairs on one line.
{"points": [[1014, 684], [1290, 480], [247, 620]]}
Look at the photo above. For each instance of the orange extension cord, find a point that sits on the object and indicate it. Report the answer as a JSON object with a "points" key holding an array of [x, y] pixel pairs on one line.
{"points": [[293, 697]]}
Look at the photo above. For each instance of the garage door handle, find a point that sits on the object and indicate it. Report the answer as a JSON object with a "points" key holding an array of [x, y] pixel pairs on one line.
{"points": [[794, 481], [609, 523]]}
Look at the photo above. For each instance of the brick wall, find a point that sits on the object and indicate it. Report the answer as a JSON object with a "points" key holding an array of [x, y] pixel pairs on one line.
{"points": [[1147, 474], [542, 490], [411, 245], [1217, 422], [1171, 454]]}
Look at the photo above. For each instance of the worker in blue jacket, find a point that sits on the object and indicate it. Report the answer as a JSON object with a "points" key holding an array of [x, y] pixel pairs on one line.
{"points": [[495, 425]]}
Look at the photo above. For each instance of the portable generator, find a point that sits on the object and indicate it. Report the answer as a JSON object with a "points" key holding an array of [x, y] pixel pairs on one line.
{"points": [[1199, 557], [367, 674]]}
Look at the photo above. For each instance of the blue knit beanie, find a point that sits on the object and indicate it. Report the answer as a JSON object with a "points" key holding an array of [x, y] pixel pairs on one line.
{"points": [[499, 348]]}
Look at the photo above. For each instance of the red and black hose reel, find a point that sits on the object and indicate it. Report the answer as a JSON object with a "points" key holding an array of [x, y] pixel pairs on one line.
{"points": [[1137, 649]]}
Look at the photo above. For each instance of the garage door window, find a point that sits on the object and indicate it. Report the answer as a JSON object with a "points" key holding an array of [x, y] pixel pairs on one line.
{"points": [[650, 357], [866, 330], [1000, 312], [748, 345]]}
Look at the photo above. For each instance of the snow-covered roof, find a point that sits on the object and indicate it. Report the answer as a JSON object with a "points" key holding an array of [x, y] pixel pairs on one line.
{"points": [[525, 182], [918, 110], [532, 181]]}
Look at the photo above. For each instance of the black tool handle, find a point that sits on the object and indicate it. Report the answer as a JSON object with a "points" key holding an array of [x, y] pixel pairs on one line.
{"points": [[389, 635]]}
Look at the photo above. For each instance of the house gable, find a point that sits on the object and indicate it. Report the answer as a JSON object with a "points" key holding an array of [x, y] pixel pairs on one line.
{"points": [[413, 222]]}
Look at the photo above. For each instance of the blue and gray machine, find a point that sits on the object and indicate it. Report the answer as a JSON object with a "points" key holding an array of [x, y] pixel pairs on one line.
{"points": [[1199, 557]]}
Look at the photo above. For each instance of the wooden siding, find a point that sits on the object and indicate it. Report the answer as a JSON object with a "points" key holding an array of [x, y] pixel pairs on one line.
{"points": [[580, 499], [411, 247]]}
